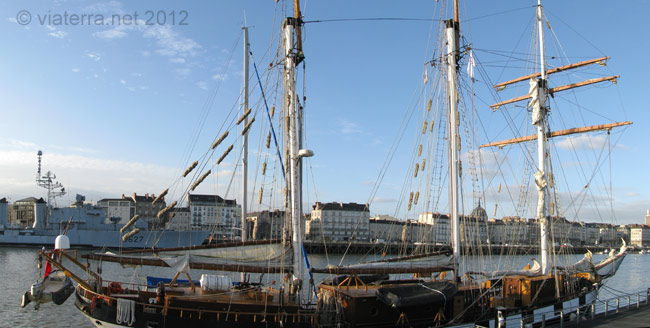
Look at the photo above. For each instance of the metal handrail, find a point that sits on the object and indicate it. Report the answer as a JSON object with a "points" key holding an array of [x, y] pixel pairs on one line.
{"points": [[598, 307]]}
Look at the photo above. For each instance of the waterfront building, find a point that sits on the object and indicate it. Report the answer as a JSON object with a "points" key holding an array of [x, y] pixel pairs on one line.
{"points": [[591, 233], [23, 211], [647, 217], [474, 228], [438, 226], [639, 235], [387, 229], [211, 212], [179, 219], [147, 210], [608, 235], [121, 209], [265, 225], [623, 232], [338, 222]]}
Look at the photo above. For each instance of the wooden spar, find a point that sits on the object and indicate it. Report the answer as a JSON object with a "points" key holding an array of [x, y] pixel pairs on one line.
{"points": [[557, 89], [189, 248], [557, 134], [296, 8], [551, 71], [370, 270], [152, 261], [456, 11], [411, 257], [583, 83]]}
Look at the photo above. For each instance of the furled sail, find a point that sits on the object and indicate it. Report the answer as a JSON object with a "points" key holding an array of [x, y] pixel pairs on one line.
{"points": [[536, 270], [428, 263], [608, 267]]}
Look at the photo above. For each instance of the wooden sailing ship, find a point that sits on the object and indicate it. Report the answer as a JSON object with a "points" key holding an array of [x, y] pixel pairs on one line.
{"points": [[417, 290], [217, 301], [439, 291]]}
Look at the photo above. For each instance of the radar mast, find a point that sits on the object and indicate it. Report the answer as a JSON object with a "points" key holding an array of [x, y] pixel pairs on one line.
{"points": [[54, 188]]}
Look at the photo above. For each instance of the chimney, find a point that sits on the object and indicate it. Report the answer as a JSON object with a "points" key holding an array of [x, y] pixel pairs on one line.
{"points": [[4, 213], [40, 210]]}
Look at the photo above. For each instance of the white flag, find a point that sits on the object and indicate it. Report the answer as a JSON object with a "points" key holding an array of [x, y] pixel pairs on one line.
{"points": [[470, 65], [426, 76]]}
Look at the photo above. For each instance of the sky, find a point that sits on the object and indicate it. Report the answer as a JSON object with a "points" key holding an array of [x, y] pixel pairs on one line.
{"points": [[118, 109]]}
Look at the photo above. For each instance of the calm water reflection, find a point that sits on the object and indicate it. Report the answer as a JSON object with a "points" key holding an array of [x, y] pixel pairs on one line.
{"points": [[18, 268]]}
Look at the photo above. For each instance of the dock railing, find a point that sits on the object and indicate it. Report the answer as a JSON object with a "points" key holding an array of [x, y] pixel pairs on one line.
{"points": [[572, 316]]}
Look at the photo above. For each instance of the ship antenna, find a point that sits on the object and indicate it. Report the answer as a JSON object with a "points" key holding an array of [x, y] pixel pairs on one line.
{"points": [[54, 188]]}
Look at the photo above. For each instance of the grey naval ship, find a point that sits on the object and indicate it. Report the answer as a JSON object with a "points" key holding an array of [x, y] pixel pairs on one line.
{"points": [[86, 225]]}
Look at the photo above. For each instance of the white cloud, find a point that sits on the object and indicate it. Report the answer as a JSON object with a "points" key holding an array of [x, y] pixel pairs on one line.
{"points": [[57, 34], [13, 19], [582, 142], [177, 60], [183, 71], [122, 81], [50, 27], [170, 42], [80, 173], [202, 85], [348, 127], [76, 70], [94, 56], [219, 76], [110, 34]]}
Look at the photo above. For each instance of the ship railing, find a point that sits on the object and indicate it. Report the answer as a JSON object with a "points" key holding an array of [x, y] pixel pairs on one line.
{"points": [[572, 316]]}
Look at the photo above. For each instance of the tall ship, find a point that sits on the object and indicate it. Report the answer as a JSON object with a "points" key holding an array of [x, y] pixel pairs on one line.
{"points": [[272, 283], [86, 225]]}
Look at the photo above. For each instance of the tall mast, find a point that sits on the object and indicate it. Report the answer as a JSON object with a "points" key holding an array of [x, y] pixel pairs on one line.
{"points": [[244, 187], [452, 29], [293, 56], [539, 120]]}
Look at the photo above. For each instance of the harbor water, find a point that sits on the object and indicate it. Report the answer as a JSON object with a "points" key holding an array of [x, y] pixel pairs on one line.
{"points": [[18, 268]]}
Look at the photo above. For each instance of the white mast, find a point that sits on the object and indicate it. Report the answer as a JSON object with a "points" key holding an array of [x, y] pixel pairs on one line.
{"points": [[454, 139], [539, 120], [244, 187], [294, 154]]}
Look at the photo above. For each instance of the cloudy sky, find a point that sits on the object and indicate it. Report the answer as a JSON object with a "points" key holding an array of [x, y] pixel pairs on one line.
{"points": [[123, 108]]}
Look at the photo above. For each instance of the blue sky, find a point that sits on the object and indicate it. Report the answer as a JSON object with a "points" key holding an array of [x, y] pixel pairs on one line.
{"points": [[114, 108]]}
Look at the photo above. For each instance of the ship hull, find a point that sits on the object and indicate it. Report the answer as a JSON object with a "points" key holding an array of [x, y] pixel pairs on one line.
{"points": [[103, 312]]}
